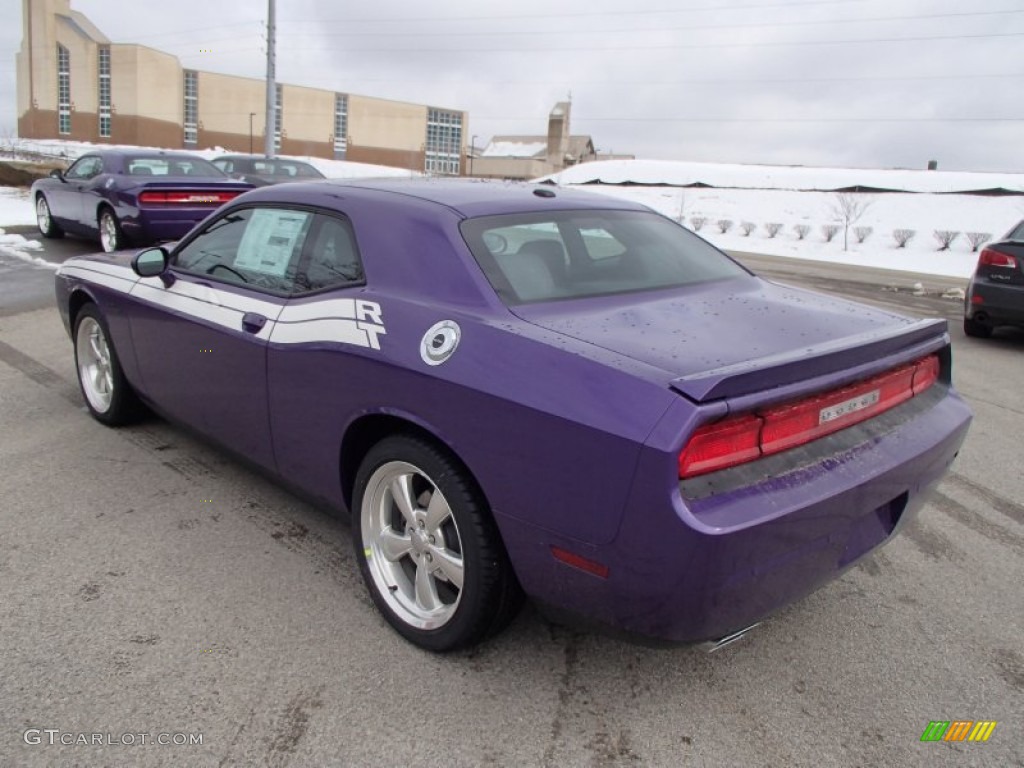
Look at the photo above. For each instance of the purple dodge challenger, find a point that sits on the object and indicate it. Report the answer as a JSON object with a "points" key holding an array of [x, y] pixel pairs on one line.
{"points": [[131, 196], [524, 390]]}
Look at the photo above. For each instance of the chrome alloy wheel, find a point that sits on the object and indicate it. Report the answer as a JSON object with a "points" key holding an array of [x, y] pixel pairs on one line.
{"points": [[109, 235], [412, 545], [43, 215], [95, 368]]}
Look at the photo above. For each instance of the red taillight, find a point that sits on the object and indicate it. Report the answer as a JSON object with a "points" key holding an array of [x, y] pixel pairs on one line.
{"points": [[720, 445], [186, 197], [990, 257], [739, 439]]}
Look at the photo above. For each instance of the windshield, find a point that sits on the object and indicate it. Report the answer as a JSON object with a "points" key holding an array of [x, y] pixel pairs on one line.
{"points": [[572, 254]]}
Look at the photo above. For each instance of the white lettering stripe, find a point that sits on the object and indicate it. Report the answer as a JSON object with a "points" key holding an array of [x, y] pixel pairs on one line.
{"points": [[119, 282], [313, 331], [319, 310]]}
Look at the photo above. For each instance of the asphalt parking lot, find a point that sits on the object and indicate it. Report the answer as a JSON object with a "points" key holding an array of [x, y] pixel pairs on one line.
{"points": [[151, 585]]}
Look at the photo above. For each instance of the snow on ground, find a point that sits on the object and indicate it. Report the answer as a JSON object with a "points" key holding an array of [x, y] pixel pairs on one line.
{"points": [[19, 247], [886, 212], [332, 169], [15, 208], [680, 174]]}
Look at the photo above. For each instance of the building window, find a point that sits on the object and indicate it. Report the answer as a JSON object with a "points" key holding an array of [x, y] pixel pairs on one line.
{"points": [[191, 107], [63, 90], [278, 116], [104, 92], [444, 142], [340, 125]]}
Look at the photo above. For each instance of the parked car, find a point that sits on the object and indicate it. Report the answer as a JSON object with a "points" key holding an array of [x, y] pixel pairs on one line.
{"points": [[518, 389], [125, 197], [995, 295], [259, 170]]}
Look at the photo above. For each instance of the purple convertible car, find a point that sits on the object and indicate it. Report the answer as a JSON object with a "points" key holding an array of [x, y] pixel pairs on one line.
{"points": [[525, 390]]}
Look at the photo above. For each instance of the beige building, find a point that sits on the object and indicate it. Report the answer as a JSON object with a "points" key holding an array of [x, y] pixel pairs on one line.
{"points": [[527, 157], [73, 83]]}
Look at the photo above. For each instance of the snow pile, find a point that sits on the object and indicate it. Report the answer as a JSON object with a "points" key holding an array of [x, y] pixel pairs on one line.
{"points": [[514, 149], [19, 247], [725, 175], [332, 169], [885, 213]]}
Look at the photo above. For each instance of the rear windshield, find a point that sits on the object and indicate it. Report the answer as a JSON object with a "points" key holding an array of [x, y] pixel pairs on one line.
{"points": [[573, 254], [171, 166]]}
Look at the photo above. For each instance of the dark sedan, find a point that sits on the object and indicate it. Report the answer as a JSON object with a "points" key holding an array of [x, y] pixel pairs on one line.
{"points": [[518, 389], [125, 197], [259, 170], [995, 296]]}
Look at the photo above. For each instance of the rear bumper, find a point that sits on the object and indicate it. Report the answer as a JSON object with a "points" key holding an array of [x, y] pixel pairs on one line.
{"points": [[697, 570], [995, 304], [151, 225]]}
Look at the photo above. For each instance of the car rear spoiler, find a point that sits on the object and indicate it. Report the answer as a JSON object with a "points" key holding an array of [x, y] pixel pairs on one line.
{"points": [[764, 373]]}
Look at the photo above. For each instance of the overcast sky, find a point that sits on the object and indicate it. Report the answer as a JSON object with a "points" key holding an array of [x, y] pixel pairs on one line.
{"points": [[865, 83]]}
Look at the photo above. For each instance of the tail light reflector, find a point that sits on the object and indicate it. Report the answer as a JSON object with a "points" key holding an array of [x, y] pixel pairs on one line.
{"points": [[186, 197], [585, 564], [739, 439], [990, 257]]}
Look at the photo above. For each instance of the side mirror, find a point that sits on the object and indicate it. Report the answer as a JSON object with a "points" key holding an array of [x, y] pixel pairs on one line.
{"points": [[151, 262], [57, 173]]}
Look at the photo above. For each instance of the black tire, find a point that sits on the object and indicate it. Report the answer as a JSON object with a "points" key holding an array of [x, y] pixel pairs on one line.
{"points": [[111, 235], [976, 330], [44, 219], [122, 406], [490, 595]]}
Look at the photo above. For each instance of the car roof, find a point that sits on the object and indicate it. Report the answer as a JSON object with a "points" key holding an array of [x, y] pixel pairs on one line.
{"points": [[467, 197]]}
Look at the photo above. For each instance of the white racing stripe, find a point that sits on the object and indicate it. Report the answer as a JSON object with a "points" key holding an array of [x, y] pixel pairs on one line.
{"points": [[353, 322]]}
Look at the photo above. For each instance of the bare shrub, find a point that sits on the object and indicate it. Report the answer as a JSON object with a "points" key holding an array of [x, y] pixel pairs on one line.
{"points": [[903, 236], [696, 222], [848, 209], [747, 227], [862, 233], [802, 231], [945, 238], [829, 231], [724, 225], [773, 229], [977, 238]]}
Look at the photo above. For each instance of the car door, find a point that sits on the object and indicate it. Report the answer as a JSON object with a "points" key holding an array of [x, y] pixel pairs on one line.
{"points": [[201, 340], [324, 359], [68, 200]]}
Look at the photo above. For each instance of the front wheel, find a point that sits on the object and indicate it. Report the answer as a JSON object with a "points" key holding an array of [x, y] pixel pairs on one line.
{"points": [[44, 219], [111, 236], [428, 547], [107, 393]]}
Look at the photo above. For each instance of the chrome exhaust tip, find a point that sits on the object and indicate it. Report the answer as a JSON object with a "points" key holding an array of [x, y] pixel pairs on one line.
{"points": [[715, 645]]}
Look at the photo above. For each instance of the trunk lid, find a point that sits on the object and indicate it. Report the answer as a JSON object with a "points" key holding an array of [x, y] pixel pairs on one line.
{"points": [[738, 337]]}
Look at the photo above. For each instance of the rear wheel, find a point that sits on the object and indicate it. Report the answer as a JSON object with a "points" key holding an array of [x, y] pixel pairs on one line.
{"points": [[977, 330], [428, 547], [111, 237], [107, 393], [44, 219]]}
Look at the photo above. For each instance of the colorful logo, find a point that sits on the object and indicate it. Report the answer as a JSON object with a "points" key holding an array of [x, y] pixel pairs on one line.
{"points": [[958, 730]]}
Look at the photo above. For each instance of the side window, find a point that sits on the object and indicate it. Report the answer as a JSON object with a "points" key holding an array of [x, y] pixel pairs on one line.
{"points": [[255, 247], [224, 165], [600, 243], [85, 168], [331, 258]]}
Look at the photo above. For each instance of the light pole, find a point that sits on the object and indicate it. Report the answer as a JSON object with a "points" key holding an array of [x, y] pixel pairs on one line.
{"points": [[251, 116]]}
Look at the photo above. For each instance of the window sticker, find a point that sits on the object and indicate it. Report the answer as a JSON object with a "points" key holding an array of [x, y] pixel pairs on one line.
{"points": [[270, 240]]}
